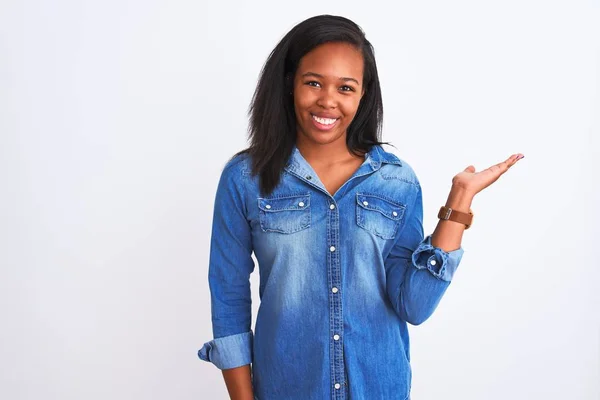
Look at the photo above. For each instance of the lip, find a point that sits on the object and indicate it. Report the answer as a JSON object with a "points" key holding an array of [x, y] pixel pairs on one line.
{"points": [[323, 127], [324, 115]]}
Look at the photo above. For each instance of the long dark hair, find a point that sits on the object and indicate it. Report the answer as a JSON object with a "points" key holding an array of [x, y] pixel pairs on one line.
{"points": [[272, 128]]}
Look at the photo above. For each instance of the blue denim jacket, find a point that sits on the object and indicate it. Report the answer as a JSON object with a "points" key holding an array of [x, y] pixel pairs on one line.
{"points": [[340, 278]]}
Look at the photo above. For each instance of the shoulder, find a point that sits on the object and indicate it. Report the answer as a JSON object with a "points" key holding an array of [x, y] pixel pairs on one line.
{"points": [[395, 167], [234, 177], [237, 166]]}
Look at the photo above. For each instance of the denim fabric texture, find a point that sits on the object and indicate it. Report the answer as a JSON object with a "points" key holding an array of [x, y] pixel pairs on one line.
{"points": [[340, 278]]}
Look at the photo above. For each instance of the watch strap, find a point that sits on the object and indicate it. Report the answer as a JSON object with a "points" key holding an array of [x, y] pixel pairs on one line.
{"points": [[448, 214]]}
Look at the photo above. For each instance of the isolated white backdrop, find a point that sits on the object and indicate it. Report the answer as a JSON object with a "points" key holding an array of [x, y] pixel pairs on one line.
{"points": [[116, 118]]}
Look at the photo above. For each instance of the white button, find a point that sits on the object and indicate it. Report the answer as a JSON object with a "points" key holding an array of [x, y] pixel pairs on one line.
{"points": [[268, 206], [332, 248], [301, 204], [331, 206], [336, 337], [334, 290], [432, 262], [395, 214], [366, 203], [337, 385]]}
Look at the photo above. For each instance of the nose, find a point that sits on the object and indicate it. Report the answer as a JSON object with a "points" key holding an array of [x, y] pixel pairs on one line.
{"points": [[327, 98]]}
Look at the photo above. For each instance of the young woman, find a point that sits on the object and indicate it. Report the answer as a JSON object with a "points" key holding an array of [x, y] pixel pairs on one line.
{"points": [[335, 222]]}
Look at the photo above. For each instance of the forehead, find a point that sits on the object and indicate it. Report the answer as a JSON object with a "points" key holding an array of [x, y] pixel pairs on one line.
{"points": [[333, 60]]}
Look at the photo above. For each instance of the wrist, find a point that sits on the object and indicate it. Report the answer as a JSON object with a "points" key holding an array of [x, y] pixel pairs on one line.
{"points": [[459, 199]]}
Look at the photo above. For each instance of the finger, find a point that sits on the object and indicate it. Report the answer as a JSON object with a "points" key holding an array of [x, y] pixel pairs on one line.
{"points": [[502, 167], [505, 165], [470, 168], [512, 160]]}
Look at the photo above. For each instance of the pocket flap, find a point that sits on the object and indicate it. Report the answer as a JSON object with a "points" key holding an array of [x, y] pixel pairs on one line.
{"points": [[389, 208], [295, 202]]}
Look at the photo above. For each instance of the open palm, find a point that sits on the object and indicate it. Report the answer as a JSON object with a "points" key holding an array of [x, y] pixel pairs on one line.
{"points": [[474, 182]]}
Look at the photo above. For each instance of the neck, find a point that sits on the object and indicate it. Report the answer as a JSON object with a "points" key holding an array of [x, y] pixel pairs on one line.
{"points": [[325, 154]]}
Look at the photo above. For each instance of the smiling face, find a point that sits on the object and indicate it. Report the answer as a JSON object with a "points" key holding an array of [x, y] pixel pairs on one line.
{"points": [[328, 86]]}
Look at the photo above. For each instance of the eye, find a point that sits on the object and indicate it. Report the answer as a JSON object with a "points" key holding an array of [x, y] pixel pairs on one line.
{"points": [[347, 88], [313, 83]]}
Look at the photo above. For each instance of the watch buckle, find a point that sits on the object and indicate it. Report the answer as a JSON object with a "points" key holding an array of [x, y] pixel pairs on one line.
{"points": [[447, 214]]}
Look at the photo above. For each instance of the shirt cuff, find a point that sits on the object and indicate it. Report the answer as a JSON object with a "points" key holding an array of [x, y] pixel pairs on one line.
{"points": [[228, 351], [440, 263]]}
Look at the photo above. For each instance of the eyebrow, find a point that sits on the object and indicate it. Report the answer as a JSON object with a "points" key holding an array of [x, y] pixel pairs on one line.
{"points": [[345, 79]]}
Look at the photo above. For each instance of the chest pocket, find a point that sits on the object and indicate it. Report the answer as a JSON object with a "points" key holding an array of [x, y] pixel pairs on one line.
{"points": [[284, 214], [379, 215]]}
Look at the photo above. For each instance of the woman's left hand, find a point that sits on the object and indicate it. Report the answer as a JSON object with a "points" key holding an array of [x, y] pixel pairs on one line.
{"points": [[473, 182]]}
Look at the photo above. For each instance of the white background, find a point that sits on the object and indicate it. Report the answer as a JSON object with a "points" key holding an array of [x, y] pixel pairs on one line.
{"points": [[116, 118]]}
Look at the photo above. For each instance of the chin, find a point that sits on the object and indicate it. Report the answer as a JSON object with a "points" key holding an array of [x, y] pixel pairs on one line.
{"points": [[322, 137]]}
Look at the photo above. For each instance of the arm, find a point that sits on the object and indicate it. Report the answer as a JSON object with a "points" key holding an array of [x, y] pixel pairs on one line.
{"points": [[448, 234], [418, 273], [419, 270], [229, 272], [239, 382]]}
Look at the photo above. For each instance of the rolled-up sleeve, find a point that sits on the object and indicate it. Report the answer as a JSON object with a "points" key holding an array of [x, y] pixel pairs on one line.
{"points": [[440, 263], [229, 351], [230, 266]]}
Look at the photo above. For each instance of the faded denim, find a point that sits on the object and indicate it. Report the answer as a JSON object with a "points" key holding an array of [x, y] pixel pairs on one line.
{"points": [[340, 278]]}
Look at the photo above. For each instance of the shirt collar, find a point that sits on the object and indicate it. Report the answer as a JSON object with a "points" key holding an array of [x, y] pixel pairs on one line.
{"points": [[374, 158], [377, 156]]}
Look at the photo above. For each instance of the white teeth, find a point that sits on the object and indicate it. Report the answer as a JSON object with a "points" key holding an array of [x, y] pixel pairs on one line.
{"points": [[324, 121]]}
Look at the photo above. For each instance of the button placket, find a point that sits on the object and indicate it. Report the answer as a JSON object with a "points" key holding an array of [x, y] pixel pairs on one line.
{"points": [[336, 313]]}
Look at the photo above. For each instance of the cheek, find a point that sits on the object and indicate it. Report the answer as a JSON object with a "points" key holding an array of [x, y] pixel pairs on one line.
{"points": [[351, 107], [303, 98]]}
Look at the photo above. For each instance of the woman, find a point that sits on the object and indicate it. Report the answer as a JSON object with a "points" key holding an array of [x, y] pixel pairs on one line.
{"points": [[335, 223]]}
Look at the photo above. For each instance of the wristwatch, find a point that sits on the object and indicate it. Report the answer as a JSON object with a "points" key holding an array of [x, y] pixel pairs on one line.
{"points": [[448, 214]]}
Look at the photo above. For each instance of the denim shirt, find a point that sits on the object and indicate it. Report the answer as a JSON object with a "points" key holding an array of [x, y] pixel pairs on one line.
{"points": [[340, 278]]}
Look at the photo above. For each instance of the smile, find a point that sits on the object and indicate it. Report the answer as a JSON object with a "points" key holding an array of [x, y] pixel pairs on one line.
{"points": [[324, 123]]}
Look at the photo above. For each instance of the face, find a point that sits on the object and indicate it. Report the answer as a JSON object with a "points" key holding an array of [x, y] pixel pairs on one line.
{"points": [[328, 86]]}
